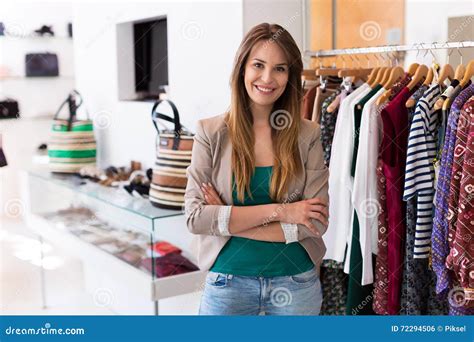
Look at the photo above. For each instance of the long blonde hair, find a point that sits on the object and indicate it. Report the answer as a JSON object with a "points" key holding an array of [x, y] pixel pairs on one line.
{"points": [[285, 117]]}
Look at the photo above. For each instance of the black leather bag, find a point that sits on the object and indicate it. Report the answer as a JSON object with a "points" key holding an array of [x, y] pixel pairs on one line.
{"points": [[41, 65], [9, 109]]}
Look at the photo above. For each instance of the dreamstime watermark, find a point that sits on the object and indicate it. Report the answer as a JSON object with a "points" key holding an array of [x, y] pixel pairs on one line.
{"points": [[15, 31], [370, 208], [279, 32], [275, 213], [192, 30], [103, 297], [457, 297], [280, 297], [464, 24], [46, 330], [14, 208], [370, 30], [281, 119], [102, 119]]}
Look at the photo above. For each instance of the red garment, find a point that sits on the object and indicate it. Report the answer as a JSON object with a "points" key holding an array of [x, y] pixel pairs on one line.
{"points": [[461, 256], [393, 152], [308, 103]]}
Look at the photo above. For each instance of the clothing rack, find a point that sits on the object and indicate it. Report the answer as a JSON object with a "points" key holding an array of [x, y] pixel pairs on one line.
{"points": [[390, 48]]}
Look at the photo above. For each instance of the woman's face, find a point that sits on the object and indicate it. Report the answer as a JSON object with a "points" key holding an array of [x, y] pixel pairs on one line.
{"points": [[266, 73]]}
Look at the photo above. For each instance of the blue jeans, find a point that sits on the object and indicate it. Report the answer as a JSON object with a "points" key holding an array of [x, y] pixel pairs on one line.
{"points": [[227, 294]]}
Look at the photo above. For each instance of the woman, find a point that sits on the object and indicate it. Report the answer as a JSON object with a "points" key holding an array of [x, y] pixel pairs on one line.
{"points": [[257, 188]]}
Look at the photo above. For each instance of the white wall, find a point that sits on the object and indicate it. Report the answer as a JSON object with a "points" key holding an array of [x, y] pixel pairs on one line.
{"points": [[427, 21], [202, 40], [36, 96], [287, 13]]}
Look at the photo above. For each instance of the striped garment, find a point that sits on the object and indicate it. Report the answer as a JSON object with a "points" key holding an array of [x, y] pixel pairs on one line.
{"points": [[419, 172]]}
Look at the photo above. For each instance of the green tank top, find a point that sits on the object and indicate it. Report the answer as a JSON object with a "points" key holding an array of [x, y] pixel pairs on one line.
{"points": [[246, 257]]}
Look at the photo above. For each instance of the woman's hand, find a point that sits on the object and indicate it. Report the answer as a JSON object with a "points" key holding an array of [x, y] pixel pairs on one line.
{"points": [[302, 212], [210, 194]]}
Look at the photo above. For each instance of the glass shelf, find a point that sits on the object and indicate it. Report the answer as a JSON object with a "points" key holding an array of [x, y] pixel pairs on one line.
{"points": [[21, 78], [7, 37], [123, 207]]}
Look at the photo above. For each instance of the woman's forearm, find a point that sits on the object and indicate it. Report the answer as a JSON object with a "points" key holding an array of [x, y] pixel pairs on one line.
{"points": [[270, 233], [247, 217]]}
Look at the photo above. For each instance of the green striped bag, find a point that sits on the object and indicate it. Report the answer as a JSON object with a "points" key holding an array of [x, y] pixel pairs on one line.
{"points": [[72, 145]]}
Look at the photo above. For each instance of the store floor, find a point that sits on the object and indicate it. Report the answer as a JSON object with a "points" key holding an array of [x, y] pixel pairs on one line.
{"points": [[20, 285]]}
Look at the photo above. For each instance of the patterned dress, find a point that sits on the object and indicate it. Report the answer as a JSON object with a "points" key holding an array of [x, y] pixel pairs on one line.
{"points": [[333, 278], [418, 284]]}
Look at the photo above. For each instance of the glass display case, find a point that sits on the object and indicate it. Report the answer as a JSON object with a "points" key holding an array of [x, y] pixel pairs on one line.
{"points": [[142, 247]]}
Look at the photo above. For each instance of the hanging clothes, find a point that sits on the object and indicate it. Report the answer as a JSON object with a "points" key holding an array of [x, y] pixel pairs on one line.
{"points": [[360, 249], [418, 295], [340, 182], [439, 238], [380, 303], [333, 278], [394, 142], [308, 103], [328, 125], [419, 172], [460, 236]]}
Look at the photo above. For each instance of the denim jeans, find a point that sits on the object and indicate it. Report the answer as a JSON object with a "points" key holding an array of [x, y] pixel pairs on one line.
{"points": [[227, 294]]}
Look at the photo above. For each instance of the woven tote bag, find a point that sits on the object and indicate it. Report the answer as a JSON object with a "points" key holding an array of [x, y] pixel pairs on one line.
{"points": [[173, 156], [72, 144]]}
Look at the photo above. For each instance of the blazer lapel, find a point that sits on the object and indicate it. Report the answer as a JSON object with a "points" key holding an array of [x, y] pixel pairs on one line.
{"points": [[224, 174]]}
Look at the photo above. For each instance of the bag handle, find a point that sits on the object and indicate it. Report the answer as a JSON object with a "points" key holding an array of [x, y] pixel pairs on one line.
{"points": [[73, 106], [174, 120]]}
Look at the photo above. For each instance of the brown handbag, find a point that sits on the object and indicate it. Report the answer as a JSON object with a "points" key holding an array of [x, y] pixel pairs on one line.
{"points": [[173, 156]]}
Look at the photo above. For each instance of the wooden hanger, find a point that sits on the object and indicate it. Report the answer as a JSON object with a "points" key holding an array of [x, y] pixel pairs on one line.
{"points": [[386, 76], [468, 74], [412, 69], [334, 104], [419, 76], [380, 75], [447, 72], [460, 71], [396, 74], [429, 77], [445, 103], [372, 75]]}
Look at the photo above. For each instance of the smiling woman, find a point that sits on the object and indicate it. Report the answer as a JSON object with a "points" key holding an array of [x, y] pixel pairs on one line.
{"points": [[257, 188]]}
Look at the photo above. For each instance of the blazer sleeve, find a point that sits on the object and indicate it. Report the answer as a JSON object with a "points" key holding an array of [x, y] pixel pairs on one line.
{"points": [[202, 218], [316, 183]]}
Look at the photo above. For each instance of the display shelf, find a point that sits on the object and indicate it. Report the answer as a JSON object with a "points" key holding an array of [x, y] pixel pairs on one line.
{"points": [[27, 78], [139, 209], [49, 199]]}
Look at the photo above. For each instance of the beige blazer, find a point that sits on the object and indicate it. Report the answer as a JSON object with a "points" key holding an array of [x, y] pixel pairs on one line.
{"points": [[211, 162]]}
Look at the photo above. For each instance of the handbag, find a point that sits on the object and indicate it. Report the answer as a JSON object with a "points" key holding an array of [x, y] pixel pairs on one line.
{"points": [[3, 159], [72, 145], [9, 109], [173, 156], [41, 65]]}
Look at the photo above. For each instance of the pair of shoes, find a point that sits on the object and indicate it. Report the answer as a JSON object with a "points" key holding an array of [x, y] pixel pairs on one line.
{"points": [[116, 176], [139, 184], [44, 30]]}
